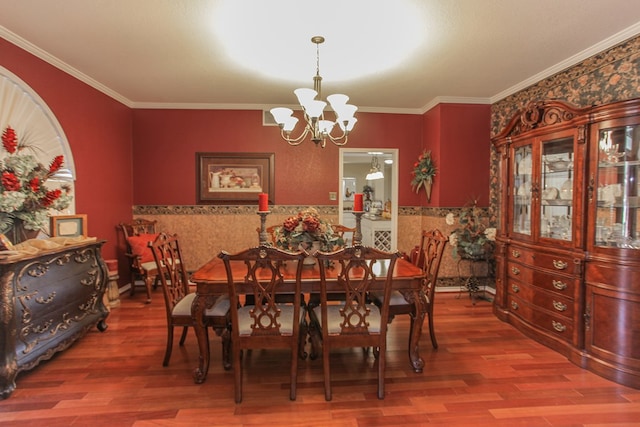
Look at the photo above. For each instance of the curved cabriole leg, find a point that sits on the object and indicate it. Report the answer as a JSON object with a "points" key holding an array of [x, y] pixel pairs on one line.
{"points": [[415, 331], [198, 308]]}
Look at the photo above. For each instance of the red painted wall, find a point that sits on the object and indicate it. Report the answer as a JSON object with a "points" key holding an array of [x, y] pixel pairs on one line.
{"points": [[166, 142], [99, 133], [459, 137]]}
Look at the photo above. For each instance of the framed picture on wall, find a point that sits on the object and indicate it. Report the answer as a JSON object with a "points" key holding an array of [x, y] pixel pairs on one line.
{"points": [[234, 178], [68, 225]]}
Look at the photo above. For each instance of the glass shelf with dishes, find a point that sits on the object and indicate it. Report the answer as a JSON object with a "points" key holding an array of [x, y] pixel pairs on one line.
{"points": [[522, 187], [618, 188], [556, 182]]}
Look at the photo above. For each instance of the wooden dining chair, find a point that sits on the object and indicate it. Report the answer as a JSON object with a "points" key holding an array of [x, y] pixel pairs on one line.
{"points": [[178, 298], [432, 244], [137, 235], [266, 323], [354, 322], [271, 231], [342, 230]]}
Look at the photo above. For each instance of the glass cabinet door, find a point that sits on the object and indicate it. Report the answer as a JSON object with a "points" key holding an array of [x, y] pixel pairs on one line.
{"points": [[522, 180], [556, 189], [618, 191]]}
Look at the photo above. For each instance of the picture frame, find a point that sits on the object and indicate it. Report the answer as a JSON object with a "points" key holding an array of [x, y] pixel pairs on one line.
{"points": [[68, 225], [234, 178]]}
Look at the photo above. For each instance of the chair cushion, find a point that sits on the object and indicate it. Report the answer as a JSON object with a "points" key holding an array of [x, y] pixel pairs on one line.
{"points": [[139, 246], [396, 299], [220, 308], [285, 319], [335, 319], [149, 265]]}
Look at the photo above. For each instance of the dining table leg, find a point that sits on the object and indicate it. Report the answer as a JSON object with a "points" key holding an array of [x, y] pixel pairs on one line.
{"points": [[416, 298], [198, 307]]}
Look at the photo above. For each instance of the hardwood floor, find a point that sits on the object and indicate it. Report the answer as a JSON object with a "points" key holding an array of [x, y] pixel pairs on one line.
{"points": [[483, 373]]}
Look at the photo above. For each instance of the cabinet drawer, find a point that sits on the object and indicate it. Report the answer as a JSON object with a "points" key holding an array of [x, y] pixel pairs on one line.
{"points": [[559, 326], [521, 255], [562, 284], [549, 301], [557, 263]]}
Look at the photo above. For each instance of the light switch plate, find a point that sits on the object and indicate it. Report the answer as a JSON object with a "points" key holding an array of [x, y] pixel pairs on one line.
{"points": [[333, 195]]}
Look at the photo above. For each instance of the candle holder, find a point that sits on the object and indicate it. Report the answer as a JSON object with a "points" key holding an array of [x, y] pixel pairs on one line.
{"points": [[357, 235], [263, 236]]}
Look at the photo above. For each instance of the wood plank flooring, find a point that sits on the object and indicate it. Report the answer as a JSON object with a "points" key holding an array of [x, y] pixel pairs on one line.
{"points": [[484, 373]]}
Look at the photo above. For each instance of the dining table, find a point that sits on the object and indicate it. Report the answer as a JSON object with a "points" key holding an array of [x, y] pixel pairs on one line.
{"points": [[211, 283]]}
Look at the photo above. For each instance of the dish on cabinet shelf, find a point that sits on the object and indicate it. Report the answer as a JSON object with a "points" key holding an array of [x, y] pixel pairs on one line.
{"points": [[524, 165], [557, 202], [524, 189], [566, 190], [559, 165], [550, 193]]}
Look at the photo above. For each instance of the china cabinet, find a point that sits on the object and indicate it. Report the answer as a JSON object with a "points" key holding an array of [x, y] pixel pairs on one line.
{"points": [[568, 247]]}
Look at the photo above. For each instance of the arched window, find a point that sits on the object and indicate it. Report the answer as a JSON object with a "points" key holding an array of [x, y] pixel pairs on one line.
{"points": [[37, 127]]}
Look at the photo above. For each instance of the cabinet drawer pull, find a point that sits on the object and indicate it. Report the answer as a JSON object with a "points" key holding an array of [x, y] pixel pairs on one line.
{"points": [[559, 306], [561, 286], [558, 326], [560, 265], [515, 288], [514, 305], [515, 253], [515, 270]]}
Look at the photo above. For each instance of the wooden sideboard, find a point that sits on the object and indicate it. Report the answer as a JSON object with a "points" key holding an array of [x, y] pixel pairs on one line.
{"points": [[47, 302], [568, 245]]}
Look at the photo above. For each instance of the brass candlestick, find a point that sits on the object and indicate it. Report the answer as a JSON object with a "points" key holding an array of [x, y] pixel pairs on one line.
{"points": [[263, 236], [357, 235]]}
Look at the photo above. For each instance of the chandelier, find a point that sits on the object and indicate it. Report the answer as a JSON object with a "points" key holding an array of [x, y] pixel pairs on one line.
{"points": [[316, 125], [374, 172]]}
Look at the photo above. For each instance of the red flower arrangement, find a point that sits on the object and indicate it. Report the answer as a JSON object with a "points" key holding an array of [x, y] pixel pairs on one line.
{"points": [[24, 196]]}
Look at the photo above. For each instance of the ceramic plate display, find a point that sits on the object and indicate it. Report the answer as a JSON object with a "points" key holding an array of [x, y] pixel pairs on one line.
{"points": [[566, 191], [550, 193]]}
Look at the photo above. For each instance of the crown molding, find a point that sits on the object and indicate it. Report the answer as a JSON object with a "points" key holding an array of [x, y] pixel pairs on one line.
{"points": [[52, 60], [605, 44]]}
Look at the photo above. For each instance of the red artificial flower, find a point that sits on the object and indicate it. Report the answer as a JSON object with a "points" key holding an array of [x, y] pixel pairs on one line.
{"points": [[310, 224], [291, 223], [56, 164], [10, 182], [10, 140], [35, 184], [50, 197]]}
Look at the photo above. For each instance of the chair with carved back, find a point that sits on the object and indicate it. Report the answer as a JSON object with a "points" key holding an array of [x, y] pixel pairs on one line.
{"points": [[267, 322], [137, 235], [343, 231], [432, 244], [354, 322], [271, 231], [178, 297]]}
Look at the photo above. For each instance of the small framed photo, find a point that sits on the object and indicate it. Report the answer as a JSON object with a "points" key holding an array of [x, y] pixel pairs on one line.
{"points": [[68, 225]]}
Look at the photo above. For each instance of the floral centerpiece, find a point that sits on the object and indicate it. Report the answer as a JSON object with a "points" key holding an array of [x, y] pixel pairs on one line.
{"points": [[423, 172], [472, 239], [24, 199], [305, 228]]}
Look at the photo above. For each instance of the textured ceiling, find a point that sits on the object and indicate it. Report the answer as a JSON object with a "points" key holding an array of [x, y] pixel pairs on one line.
{"points": [[388, 56]]}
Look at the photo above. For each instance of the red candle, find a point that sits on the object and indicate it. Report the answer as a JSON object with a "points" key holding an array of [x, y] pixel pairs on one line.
{"points": [[263, 202], [357, 202]]}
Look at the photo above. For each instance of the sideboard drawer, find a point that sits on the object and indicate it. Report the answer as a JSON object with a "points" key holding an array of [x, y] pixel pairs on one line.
{"points": [[549, 301], [559, 326]]}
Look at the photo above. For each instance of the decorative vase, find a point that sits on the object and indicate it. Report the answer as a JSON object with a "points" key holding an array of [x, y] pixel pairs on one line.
{"points": [[311, 260], [427, 188], [18, 234]]}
